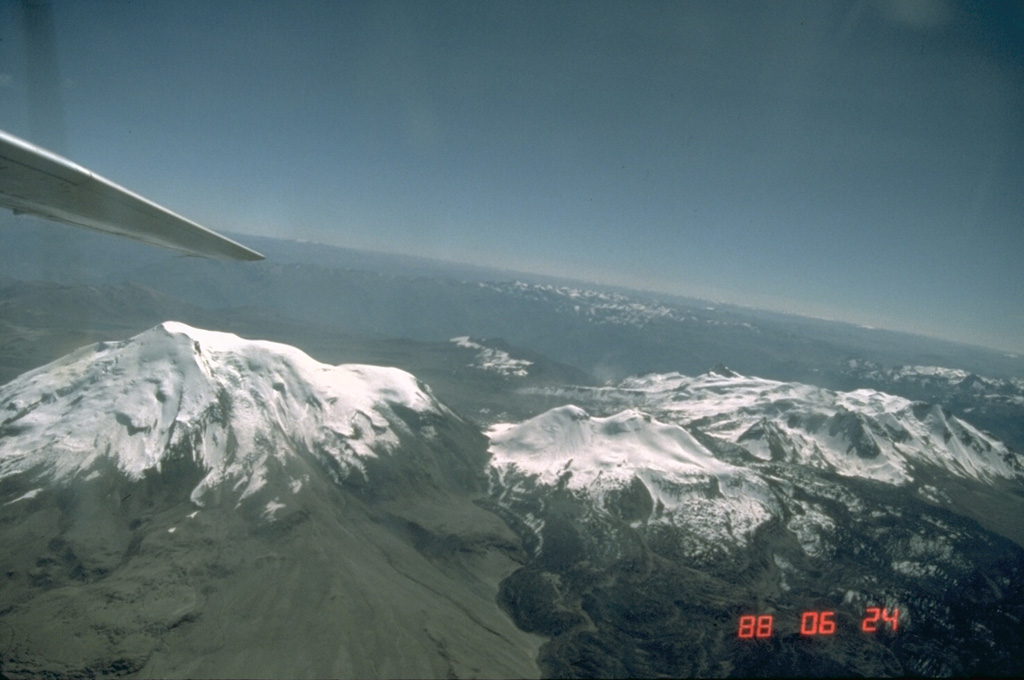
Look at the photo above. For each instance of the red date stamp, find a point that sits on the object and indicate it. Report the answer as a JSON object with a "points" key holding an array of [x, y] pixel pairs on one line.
{"points": [[817, 623]]}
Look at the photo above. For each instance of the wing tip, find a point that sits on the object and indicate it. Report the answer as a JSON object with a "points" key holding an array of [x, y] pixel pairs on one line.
{"points": [[37, 181]]}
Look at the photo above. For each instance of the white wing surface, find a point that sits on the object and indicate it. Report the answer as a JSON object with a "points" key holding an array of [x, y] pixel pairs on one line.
{"points": [[39, 182]]}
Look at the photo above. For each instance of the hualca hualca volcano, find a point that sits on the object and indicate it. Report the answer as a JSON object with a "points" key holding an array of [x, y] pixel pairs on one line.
{"points": [[189, 503]]}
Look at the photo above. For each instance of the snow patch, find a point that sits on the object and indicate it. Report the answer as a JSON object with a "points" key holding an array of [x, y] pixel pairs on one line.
{"points": [[494, 360], [271, 508], [25, 496]]}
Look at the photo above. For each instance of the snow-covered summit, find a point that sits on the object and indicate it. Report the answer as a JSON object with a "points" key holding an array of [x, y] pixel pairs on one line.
{"points": [[722, 454], [569, 439], [594, 456], [233, 403], [863, 433]]}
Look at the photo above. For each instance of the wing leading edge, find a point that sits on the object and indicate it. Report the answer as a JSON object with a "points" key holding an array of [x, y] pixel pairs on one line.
{"points": [[39, 182]]}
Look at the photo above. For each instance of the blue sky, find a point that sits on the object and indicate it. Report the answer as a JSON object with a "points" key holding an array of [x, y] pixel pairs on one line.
{"points": [[862, 161]]}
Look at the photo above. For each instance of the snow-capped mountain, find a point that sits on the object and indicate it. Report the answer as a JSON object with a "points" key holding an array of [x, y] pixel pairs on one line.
{"points": [[864, 433], [703, 498], [681, 481], [188, 503], [995, 404], [236, 405], [721, 455]]}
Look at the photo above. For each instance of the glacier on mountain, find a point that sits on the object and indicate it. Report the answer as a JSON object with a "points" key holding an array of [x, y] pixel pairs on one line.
{"points": [[329, 501], [598, 457], [233, 404], [722, 455], [864, 433]]}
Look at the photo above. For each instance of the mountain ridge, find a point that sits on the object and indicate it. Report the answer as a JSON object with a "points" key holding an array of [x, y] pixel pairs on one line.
{"points": [[273, 535], [252, 524], [234, 403]]}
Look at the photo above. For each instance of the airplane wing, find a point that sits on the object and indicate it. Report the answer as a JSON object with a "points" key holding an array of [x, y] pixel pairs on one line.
{"points": [[39, 182]]}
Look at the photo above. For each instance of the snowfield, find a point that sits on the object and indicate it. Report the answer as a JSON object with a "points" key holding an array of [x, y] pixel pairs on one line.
{"points": [[596, 456], [863, 433], [787, 434], [236, 403]]}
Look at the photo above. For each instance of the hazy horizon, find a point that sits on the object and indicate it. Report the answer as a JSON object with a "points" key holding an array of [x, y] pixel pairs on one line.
{"points": [[853, 161], [823, 316]]}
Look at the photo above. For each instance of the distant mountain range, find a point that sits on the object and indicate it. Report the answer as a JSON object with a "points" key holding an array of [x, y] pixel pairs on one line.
{"points": [[996, 404], [863, 433], [606, 332]]}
